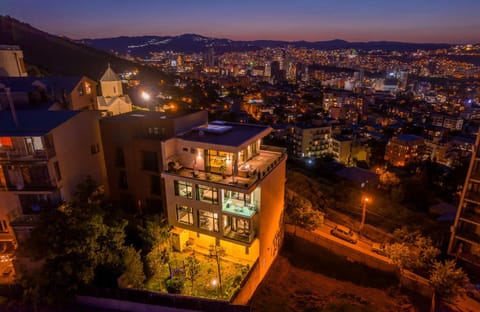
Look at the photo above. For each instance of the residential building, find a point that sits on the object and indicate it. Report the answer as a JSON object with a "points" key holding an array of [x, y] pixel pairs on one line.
{"points": [[53, 93], [11, 61], [133, 155], [449, 122], [311, 140], [404, 149], [341, 148], [465, 237], [44, 155], [224, 188]]}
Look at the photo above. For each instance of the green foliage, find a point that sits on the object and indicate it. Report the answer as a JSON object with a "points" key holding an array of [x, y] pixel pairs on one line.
{"points": [[412, 251], [447, 280], [192, 268], [72, 243], [174, 285], [133, 275], [300, 212]]}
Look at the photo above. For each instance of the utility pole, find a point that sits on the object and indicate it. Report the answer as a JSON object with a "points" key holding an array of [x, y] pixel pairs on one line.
{"points": [[364, 212]]}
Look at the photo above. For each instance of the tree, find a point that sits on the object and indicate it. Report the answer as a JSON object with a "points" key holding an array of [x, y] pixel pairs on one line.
{"points": [[72, 243], [412, 251], [300, 212], [447, 280], [133, 275], [193, 268]]}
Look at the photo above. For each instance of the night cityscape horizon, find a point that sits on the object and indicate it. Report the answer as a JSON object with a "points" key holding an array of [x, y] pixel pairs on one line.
{"points": [[252, 156]]}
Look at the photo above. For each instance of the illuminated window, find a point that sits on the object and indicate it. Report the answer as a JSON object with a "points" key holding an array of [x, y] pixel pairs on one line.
{"points": [[185, 214], [6, 142], [207, 194], [183, 189], [208, 220], [88, 88]]}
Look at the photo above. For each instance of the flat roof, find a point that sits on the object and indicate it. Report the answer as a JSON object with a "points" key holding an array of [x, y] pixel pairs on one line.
{"points": [[225, 133], [33, 122]]}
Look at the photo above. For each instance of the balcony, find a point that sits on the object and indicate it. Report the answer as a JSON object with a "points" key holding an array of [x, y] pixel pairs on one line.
{"points": [[240, 236], [247, 175], [9, 156]]}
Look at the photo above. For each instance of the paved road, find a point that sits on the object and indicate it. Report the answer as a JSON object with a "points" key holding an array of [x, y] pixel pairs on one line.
{"points": [[363, 245]]}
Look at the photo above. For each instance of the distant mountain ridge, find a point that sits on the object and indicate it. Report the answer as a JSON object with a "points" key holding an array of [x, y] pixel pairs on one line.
{"points": [[142, 46], [47, 54]]}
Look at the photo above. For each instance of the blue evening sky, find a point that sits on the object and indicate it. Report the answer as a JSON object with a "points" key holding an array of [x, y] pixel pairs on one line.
{"points": [[450, 21]]}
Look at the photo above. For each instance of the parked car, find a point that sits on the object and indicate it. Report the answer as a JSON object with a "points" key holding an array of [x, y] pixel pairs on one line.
{"points": [[344, 233], [379, 249], [473, 291]]}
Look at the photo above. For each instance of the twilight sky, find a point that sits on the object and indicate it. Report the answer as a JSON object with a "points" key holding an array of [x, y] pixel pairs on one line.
{"points": [[449, 21]]}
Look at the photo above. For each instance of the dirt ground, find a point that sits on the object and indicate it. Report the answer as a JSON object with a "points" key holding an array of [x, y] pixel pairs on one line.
{"points": [[307, 278]]}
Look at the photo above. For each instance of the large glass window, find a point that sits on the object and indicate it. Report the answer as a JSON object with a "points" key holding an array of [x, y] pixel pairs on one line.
{"points": [[208, 220], [183, 188], [216, 161], [207, 194], [185, 214]]}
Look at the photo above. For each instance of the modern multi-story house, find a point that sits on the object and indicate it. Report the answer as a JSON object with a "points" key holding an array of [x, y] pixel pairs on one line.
{"points": [[465, 238], [11, 61], [224, 188], [44, 155], [133, 154], [404, 149]]}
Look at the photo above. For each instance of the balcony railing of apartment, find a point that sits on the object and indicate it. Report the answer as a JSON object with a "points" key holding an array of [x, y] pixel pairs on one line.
{"points": [[240, 236], [43, 186], [12, 155], [472, 196], [25, 221], [248, 173]]}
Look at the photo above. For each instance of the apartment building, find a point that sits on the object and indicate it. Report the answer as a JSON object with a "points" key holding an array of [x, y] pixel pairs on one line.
{"points": [[311, 140], [224, 188], [404, 149], [133, 155], [465, 237], [44, 155]]}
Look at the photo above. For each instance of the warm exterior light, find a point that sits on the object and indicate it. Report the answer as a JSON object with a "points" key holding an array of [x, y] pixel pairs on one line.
{"points": [[214, 282], [145, 96]]}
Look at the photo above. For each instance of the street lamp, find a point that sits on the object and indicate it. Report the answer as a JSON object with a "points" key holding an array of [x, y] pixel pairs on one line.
{"points": [[145, 96], [365, 201]]}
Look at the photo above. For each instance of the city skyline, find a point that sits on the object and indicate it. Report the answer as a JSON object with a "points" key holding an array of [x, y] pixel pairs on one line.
{"points": [[408, 21]]}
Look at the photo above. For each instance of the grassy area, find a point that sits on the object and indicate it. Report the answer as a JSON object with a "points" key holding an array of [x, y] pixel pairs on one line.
{"points": [[206, 283]]}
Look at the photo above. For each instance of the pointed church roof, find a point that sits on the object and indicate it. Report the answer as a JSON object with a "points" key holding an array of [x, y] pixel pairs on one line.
{"points": [[109, 75]]}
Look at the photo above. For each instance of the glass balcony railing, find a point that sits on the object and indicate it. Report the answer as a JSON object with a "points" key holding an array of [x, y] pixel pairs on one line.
{"points": [[247, 173]]}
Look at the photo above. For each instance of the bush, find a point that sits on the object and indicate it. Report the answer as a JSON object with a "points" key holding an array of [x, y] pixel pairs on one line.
{"points": [[174, 285]]}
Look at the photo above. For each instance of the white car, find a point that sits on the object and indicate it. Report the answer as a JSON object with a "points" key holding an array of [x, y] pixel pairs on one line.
{"points": [[344, 233]]}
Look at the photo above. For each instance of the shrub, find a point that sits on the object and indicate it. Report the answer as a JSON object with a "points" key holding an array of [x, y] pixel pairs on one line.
{"points": [[174, 285]]}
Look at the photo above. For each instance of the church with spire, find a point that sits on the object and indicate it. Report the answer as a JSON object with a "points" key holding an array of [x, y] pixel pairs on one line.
{"points": [[113, 101]]}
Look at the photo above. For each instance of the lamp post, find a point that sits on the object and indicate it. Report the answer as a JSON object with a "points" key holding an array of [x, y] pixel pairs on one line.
{"points": [[365, 201]]}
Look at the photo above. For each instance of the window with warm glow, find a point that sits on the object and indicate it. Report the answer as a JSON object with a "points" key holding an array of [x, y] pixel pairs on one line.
{"points": [[184, 214], [208, 220]]}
